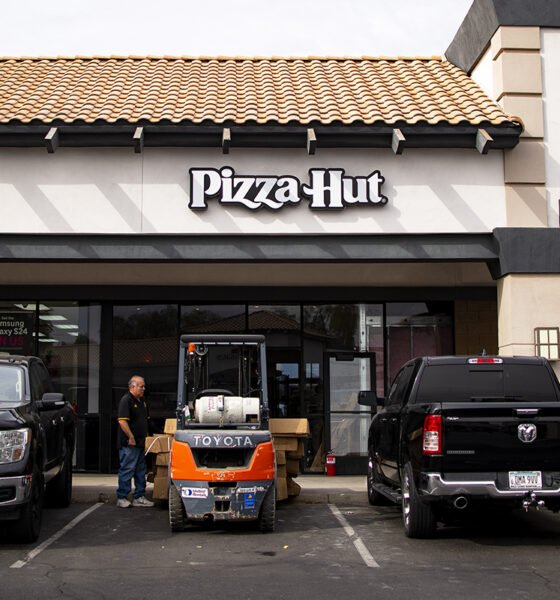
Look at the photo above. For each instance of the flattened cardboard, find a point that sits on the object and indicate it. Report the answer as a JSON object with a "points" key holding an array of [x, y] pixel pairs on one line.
{"points": [[285, 444], [289, 427], [161, 489], [280, 457], [170, 426], [281, 489], [160, 442], [162, 459], [298, 453], [292, 467]]}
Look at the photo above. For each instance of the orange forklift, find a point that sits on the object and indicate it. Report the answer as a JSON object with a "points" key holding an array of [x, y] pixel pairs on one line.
{"points": [[222, 464]]}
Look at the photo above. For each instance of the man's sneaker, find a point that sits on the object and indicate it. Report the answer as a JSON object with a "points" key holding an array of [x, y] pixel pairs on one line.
{"points": [[123, 503], [142, 501]]}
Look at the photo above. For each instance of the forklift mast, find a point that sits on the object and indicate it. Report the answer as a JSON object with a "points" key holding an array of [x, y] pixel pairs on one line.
{"points": [[223, 375]]}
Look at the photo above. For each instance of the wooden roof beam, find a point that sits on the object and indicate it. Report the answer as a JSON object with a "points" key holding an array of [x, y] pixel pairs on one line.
{"points": [[226, 140], [398, 141], [52, 140], [311, 141], [138, 139], [483, 141]]}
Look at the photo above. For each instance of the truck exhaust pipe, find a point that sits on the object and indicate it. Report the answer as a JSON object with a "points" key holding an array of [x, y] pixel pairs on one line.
{"points": [[460, 503]]}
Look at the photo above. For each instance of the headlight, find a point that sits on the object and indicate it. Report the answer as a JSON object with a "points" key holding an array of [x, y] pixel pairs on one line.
{"points": [[13, 444]]}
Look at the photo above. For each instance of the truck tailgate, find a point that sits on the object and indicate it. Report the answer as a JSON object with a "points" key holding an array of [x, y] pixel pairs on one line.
{"points": [[500, 436]]}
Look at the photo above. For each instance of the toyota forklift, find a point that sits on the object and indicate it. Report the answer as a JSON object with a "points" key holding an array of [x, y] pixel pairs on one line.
{"points": [[222, 464]]}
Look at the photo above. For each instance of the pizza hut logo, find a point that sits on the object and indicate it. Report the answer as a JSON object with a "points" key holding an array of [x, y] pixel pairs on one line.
{"points": [[527, 432], [327, 189]]}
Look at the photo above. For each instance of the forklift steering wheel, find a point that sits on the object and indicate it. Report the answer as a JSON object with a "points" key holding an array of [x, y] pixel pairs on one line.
{"points": [[213, 392]]}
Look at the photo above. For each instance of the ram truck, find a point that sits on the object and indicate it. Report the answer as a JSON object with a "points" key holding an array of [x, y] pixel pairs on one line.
{"points": [[462, 433], [37, 433]]}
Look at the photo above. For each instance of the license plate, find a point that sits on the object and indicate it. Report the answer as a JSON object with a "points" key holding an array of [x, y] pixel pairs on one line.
{"points": [[525, 480]]}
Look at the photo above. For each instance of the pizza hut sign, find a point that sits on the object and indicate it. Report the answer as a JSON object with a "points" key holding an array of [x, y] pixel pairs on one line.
{"points": [[327, 189]]}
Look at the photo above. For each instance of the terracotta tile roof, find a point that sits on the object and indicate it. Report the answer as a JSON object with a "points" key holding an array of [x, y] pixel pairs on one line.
{"points": [[241, 90]]}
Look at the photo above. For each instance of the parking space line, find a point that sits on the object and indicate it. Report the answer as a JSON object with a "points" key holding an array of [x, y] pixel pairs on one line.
{"points": [[357, 541], [36, 551]]}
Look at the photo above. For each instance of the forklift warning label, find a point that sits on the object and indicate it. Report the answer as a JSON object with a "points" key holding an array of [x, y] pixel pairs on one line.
{"points": [[188, 492]]}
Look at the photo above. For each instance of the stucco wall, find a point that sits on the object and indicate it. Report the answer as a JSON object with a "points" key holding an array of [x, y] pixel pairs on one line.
{"points": [[550, 42], [114, 190]]}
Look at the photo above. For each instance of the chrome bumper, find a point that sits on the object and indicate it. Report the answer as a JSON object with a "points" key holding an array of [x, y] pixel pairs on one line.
{"points": [[22, 486], [432, 484]]}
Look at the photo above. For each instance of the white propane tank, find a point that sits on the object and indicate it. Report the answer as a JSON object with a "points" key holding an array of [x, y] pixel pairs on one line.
{"points": [[226, 409]]}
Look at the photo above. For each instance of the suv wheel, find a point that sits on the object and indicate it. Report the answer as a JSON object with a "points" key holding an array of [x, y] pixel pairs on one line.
{"points": [[27, 528], [418, 518], [373, 477], [59, 489]]}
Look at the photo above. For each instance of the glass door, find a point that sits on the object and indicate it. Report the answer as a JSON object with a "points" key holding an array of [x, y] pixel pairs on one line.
{"points": [[347, 422]]}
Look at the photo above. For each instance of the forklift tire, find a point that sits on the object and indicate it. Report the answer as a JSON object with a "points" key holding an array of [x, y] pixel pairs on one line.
{"points": [[267, 516], [177, 514]]}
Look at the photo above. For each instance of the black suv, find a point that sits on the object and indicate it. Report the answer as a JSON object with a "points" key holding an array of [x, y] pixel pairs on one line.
{"points": [[456, 432], [37, 433]]}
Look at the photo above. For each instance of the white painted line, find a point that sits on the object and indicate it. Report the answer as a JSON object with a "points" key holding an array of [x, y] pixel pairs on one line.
{"points": [[357, 541], [36, 551]]}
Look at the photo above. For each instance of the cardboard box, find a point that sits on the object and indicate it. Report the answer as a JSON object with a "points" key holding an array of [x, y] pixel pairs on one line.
{"points": [[281, 489], [285, 444], [289, 427], [162, 471], [160, 442], [162, 459], [280, 457], [293, 488], [161, 488], [292, 467], [298, 453], [170, 426], [281, 471]]}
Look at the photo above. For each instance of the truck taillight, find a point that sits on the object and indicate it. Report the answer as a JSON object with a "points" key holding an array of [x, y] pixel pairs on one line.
{"points": [[431, 435]]}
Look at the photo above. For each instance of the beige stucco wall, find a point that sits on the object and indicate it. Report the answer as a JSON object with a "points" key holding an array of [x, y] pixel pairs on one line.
{"points": [[526, 302]]}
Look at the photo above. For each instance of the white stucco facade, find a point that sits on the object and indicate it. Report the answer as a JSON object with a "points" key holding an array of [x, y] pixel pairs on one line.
{"points": [[107, 190], [550, 44]]}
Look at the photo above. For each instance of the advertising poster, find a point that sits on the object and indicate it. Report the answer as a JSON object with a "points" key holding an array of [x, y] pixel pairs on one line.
{"points": [[16, 332]]}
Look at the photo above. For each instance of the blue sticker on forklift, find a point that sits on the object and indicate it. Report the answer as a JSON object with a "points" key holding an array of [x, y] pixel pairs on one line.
{"points": [[188, 492], [249, 501]]}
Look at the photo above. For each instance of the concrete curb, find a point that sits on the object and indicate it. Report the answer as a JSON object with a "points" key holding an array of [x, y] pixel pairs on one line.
{"points": [[351, 490]]}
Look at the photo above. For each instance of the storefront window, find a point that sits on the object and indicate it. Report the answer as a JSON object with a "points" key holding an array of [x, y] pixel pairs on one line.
{"points": [[281, 324], [146, 343], [17, 327], [213, 318], [417, 329], [69, 345]]}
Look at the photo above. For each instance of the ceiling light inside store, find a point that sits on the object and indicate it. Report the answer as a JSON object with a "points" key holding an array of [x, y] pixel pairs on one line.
{"points": [[40, 334], [73, 333], [51, 340], [32, 307], [66, 326], [52, 318]]}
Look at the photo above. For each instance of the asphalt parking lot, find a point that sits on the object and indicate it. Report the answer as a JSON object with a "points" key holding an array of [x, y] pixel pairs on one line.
{"points": [[318, 551]]}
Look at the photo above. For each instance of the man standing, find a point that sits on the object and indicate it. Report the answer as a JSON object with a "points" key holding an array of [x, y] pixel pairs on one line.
{"points": [[133, 429]]}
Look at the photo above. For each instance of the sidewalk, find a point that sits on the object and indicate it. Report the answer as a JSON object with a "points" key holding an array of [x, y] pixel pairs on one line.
{"points": [[315, 489]]}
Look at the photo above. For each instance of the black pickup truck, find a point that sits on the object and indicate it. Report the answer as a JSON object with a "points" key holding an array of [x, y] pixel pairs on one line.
{"points": [[457, 433], [37, 432]]}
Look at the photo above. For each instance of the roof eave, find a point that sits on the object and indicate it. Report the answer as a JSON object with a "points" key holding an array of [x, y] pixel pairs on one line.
{"points": [[139, 135]]}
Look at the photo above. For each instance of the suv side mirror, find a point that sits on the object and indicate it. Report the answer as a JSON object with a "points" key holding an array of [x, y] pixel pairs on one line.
{"points": [[50, 401], [367, 398]]}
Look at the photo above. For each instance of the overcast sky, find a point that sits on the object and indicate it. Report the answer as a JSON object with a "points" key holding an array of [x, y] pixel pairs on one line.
{"points": [[230, 27]]}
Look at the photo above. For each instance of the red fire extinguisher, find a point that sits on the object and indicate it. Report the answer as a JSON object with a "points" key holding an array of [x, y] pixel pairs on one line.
{"points": [[330, 462]]}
